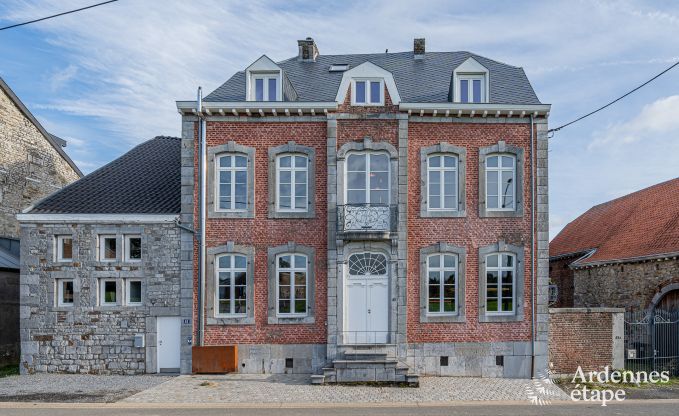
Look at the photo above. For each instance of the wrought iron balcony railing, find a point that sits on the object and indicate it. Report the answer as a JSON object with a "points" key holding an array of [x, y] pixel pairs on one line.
{"points": [[366, 218]]}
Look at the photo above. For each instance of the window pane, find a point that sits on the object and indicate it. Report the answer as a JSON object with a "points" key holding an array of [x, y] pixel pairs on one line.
{"points": [[434, 277], [272, 89], [449, 161], [241, 161], [379, 197], [356, 162], [285, 202], [434, 182], [448, 261], [284, 261], [507, 305], [285, 177], [240, 262], [300, 262], [491, 278], [379, 163], [300, 190], [285, 161], [224, 278], [224, 306], [259, 89], [492, 305], [355, 180], [356, 197], [491, 162], [450, 202], [300, 278], [239, 278], [449, 277], [435, 261], [284, 278], [449, 305], [434, 305], [507, 260], [239, 306], [449, 291], [225, 292], [109, 292], [435, 161], [66, 248], [284, 292], [476, 87], [464, 91], [379, 180], [110, 248], [239, 292], [225, 178], [434, 291], [300, 292], [300, 178], [507, 277], [300, 306], [224, 262], [135, 292], [300, 203], [284, 306], [491, 261], [135, 248], [67, 291], [507, 161], [360, 91], [300, 161], [225, 162], [507, 189], [434, 201], [375, 92]]}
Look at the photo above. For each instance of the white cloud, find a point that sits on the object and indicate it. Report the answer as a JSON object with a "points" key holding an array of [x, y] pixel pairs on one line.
{"points": [[60, 78], [656, 119]]}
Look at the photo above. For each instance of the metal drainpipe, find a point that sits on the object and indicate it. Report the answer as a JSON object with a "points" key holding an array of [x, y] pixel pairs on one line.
{"points": [[532, 247], [203, 204]]}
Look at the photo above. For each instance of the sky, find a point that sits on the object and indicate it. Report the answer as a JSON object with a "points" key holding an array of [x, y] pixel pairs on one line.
{"points": [[106, 79]]}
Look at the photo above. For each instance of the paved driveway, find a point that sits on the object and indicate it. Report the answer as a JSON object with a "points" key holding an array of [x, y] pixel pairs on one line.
{"points": [[241, 388]]}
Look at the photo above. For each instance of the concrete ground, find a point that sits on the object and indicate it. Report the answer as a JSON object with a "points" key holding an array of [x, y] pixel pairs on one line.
{"points": [[246, 388], [82, 388]]}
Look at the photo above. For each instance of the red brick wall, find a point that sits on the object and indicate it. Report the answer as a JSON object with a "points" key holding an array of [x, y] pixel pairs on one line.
{"points": [[262, 232], [470, 232], [580, 338]]}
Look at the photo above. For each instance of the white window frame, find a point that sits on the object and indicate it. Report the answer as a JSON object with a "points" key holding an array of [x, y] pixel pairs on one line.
{"points": [[60, 248], [232, 170], [441, 270], [499, 269], [368, 154], [102, 292], [102, 247], [292, 285], [470, 78], [127, 247], [232, 285], [441, 172], [292, 169], [60, 293], [368, 94], [128, 283], [265, 77], [500, 169]]}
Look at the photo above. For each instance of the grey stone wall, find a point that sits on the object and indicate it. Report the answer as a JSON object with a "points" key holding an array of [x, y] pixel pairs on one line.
{"points": [[629, 285], [86, 337], [30, 168], [271, 358], [9, 311]]}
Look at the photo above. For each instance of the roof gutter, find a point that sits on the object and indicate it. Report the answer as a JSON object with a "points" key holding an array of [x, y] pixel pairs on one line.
{"points": [[476, 109], [97, 218], [261, 108]]}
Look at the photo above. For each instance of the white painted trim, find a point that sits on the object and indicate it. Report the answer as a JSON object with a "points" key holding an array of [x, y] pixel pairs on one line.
{"points": [[467, 108], [368, 70], [232, 284], [60, 293], [243, 108], [292, 270], [128, 291], [471, 68], [126, 248], [368, 95], [59, 239], [263, 66], [98, 218]]}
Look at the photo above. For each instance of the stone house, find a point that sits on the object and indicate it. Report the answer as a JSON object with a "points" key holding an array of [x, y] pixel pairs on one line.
{"points": [[623, 253], [369, 217], [100, 269], [33, 164]]}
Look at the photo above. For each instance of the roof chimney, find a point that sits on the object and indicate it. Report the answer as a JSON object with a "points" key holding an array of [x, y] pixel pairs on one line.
{"points": [[308, 51], [418, 48]]}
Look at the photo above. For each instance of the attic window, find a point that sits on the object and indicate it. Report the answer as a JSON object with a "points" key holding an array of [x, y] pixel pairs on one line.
{"points": [[471, 88], [338, 67], [266, 87], [367, 92]]}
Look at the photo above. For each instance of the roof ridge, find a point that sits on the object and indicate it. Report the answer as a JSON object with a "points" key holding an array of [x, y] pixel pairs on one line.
{"points": [[631, 194]]}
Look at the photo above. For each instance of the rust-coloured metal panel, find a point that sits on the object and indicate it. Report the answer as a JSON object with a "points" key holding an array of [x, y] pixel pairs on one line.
{"points": [[215, 359]]}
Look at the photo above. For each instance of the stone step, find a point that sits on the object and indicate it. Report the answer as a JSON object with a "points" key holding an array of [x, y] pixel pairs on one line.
{"points": [[413, 379], [318, 379], [372, 364], [365, 355]]}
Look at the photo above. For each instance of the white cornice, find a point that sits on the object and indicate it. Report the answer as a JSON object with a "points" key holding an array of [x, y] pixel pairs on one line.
{"points": [[476, 109], [246, 108], [98, 218]]}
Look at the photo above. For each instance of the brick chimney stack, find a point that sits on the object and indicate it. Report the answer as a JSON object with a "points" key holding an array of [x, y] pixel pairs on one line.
{"points": [[418, 48], [308, 51]]}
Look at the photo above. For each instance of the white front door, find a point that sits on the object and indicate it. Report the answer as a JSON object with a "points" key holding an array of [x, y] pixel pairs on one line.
{"points": [[367, 310], [169, 343]]}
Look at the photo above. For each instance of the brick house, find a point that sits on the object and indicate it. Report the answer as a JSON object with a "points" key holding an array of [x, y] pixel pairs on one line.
{"points": [[623, 253], [368, 217], [33, 164], [100, 269]]}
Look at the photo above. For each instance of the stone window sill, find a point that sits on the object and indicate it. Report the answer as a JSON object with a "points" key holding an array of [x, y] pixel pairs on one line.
{"points": [[500, 318], [225, 320], [451, 318], [278, 320]]}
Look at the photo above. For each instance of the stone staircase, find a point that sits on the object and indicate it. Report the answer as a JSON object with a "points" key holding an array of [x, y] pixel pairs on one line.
{"points": [[367, 364]]}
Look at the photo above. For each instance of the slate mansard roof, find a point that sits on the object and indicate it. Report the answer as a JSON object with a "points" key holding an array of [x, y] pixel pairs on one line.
{"points": [[426, 80], [145, 180], [643, 224]]}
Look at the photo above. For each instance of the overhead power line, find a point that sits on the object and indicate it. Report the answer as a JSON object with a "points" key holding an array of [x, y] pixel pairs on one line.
{"points": [[57, 15], [614, 101]]}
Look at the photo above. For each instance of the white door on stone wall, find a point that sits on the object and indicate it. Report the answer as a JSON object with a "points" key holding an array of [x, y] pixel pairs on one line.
{"points": [[169, 343], [367, 300]]}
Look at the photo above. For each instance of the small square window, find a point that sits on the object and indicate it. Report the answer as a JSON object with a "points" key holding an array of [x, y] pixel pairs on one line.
{"points": [[472, 89], [64, 248], [108, 292], [133, 292], [108, 248], [132, 248], [65, 292]]}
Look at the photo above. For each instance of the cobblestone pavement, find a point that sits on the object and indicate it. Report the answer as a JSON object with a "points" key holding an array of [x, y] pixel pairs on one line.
{"points": [[74, 387], [241, 388]]}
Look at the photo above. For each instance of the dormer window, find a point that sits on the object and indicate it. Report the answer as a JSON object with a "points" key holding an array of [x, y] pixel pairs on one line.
{"points": [[266, 87], [367, 92], [472, 88]]}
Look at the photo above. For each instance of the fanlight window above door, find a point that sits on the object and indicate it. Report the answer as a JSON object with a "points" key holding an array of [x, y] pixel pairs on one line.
{"points": [[367, 264]]}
